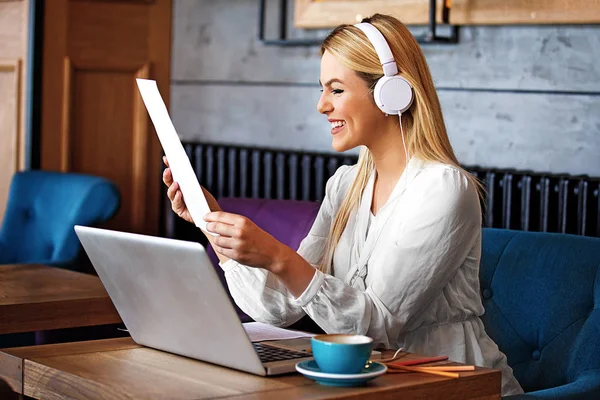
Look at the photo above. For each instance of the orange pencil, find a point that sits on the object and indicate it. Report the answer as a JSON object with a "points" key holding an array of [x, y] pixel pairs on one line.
{"points": [[425, 371], [450, 368]]}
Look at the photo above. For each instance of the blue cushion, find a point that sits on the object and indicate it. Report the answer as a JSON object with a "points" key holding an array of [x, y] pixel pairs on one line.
{"points": [[586, 387], [42, 209], [541, 293]]}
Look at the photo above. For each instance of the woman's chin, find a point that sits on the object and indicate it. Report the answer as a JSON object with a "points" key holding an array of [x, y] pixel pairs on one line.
{"points": [[340, 145]]}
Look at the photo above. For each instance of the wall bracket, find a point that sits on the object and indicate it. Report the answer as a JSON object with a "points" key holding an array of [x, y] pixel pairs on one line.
{"points": [[431, 37]]}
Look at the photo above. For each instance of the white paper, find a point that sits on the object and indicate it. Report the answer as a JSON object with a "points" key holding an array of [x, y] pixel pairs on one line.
{"points": [[259, 332], [180, 165]]}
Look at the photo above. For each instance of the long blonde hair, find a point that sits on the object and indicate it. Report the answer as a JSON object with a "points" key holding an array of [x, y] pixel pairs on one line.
{"points": [[423, 124]]}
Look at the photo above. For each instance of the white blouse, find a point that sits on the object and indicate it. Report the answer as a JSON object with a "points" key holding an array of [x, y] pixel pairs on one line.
{"points": [[409, 278]]}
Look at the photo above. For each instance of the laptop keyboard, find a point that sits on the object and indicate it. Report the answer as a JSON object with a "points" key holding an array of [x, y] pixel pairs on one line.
{"points": [[270, 353]]}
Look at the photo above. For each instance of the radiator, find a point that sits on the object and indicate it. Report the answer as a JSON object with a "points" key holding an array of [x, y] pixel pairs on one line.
{"points": [[521, 200]]}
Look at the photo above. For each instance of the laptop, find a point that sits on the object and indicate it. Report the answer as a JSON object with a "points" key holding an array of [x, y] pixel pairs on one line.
{"points": [[170, 298]]}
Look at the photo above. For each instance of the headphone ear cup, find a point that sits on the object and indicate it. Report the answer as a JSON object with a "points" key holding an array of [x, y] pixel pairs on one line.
{"points": [[393, 94]]}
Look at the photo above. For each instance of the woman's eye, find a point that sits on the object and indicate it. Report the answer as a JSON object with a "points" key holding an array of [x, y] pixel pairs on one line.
{"points": [[334, 91]]}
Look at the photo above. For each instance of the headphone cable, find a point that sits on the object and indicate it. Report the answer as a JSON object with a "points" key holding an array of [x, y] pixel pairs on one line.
{"points": [[403, 142]]}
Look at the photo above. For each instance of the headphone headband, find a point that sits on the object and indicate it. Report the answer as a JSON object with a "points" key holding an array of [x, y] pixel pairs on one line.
{"points": [[392, 93], [381, 48]]}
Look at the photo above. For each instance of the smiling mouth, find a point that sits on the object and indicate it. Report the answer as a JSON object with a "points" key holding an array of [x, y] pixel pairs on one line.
{"points": [[337, 126]]}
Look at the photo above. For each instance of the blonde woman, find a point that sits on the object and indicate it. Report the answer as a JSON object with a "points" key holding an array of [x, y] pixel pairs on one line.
{"points": [[394, 251]]}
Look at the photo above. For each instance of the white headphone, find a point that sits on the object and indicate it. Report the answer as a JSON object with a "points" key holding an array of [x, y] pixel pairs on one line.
{"points": [[393, 94]]}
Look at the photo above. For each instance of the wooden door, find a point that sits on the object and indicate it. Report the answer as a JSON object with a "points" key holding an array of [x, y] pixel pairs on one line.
{"points": [[14, 27], [93, 119]]}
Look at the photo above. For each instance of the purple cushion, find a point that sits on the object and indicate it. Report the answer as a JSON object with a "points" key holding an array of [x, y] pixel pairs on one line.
{"points": [[288, 221]]}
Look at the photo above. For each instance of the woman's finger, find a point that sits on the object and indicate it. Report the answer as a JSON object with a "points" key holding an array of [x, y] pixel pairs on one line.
{"points": [[226, 242], [229, 253], [223, 229], [224, 217], [166, 161], [172, 190], [178, 203], [167, 177]]}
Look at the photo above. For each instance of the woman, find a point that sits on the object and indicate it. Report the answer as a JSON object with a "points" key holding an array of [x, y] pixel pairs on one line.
{"points": [[394, 251]]}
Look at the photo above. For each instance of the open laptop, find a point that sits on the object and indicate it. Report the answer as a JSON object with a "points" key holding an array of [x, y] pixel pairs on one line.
{"points": [[170, 298]]}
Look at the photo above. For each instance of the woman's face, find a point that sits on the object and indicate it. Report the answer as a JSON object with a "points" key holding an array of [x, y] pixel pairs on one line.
{"points": [[349, 106]]}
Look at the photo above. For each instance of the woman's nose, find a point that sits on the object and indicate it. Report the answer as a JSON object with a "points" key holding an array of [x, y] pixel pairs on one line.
{"points": [[323, 105]]}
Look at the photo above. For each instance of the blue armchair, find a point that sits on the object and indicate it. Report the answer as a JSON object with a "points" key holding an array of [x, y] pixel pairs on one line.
{"points": [[541, 293], [43, 208]]}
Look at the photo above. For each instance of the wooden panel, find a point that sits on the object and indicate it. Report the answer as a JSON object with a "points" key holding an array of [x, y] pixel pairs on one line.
{"points": [[122, 1], [70, 348], [329, 13], [481, 387], [108, 33], [141, 153], [499, 57], [486, 12], [159, 38], [10, 125], [94, 376], [104, 138], [13, 28], [53, 87], [37, 297], [11, 374], [326, 14], [13, 58], [504, 130], [12, 359], [101, 127]]}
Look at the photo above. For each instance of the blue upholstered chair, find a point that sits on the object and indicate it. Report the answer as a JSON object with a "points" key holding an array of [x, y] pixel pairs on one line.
{"points": [[541, 293], [43, 208]]}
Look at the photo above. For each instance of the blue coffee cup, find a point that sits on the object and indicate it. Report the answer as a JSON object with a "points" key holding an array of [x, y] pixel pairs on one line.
{"points": [[341, 353]]}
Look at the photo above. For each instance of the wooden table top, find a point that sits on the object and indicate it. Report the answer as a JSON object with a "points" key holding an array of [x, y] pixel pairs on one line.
{"points": [[38, 297], [120, 369]]}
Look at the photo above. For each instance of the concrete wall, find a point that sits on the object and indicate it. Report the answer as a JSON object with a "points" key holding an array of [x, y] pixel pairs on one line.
{"points": [[525, 97]]}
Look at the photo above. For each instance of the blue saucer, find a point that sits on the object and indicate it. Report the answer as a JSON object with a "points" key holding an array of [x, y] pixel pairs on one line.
{"points": [[310, 369]]}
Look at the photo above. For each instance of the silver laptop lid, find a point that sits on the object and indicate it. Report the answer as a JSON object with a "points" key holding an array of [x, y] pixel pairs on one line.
{"points": [[169, 297]]}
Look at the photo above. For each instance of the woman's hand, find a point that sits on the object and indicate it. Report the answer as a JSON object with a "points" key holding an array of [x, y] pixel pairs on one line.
{"points": [[241, 240], [176, 197]]}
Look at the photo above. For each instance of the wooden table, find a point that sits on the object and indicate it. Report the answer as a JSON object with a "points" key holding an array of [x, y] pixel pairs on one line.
{"points": [[120, 369], [38, 297]]}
